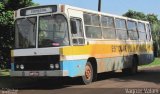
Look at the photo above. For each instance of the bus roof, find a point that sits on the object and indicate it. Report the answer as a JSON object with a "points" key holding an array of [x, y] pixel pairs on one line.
{"points": [[102, 13], [88, 11]]}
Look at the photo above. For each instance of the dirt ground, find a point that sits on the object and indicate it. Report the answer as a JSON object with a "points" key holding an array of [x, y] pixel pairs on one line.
{"points": [[108, 83]]}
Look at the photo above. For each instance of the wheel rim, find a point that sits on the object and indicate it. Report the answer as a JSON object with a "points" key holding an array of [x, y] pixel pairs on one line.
{"points": [[88, 72]]}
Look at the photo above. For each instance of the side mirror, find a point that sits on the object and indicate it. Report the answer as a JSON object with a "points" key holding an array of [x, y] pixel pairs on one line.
{"points": [[74, 27]]}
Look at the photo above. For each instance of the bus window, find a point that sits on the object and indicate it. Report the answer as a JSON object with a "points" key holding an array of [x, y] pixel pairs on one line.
{"points": [[107, 21], [91, 19], [108, 27], [95, 20], [25, 30], [53, 31], [132, 30], [93, 32], [77, 37], [92, 26], [141, 30], [87, 19], [148, 31], [121, 29]]}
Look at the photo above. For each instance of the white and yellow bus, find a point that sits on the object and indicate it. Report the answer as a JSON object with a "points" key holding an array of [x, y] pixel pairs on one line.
{"points": [[62, 40]]}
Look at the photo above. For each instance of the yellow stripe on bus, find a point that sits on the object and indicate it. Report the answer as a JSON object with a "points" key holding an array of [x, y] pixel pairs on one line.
{"points": [[102, 49]]}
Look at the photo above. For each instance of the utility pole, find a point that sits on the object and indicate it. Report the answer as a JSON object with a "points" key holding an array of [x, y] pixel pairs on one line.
{"points": [[99, 5]]}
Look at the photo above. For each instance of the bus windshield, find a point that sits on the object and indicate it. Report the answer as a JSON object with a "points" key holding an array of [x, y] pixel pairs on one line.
{"points": [[53, 31], [25, 32]]}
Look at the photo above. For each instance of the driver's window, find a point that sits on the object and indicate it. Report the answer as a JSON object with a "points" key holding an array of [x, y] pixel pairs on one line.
{"points": [[53, 31], [78, 37]]}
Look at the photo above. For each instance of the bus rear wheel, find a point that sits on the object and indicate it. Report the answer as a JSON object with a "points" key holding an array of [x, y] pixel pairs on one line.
{"points": [[88, 76], [133, 69]]}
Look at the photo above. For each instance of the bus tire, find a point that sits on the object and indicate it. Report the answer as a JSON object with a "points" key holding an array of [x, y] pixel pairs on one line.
{"points": [[133, 69], [87, 78]]}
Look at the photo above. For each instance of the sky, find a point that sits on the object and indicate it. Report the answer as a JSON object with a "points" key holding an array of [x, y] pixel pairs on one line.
{"points": [[117, 7]]}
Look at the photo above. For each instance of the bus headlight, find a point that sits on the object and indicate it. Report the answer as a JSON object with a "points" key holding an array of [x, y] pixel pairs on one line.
{"points": [[17, 66], [51, 66], [56, 66], [22, 66]]}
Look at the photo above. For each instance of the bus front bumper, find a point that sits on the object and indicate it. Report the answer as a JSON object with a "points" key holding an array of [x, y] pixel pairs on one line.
{"points": [[56, 73]]}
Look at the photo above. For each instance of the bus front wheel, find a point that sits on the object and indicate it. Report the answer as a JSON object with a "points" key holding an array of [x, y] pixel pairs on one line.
{"points": [[87, 78]]}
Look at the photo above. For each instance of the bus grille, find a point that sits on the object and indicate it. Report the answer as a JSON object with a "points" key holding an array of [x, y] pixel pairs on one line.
{"points": [[35, 63]]}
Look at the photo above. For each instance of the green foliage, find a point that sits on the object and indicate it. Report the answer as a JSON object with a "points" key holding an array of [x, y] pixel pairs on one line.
{"points": [[16, 4], [7, 8], [155, 63], [6, 18], [135, 15], [1, 6], [152, 18]]}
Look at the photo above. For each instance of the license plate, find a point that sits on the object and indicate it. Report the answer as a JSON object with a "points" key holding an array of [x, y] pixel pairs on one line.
{"points": [[33, 73]]}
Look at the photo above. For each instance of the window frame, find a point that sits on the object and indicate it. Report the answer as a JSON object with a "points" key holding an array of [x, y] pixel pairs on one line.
{"points": [[15, 45], [131, 30], [123, 29], [148, 29], [107, 26], [92, 25], [67, 33], [72, 37], [140, 31]]}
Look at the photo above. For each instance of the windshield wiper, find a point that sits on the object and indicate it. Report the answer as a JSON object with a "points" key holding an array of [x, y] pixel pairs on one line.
{"points": [[33, 23], [28, 19]]}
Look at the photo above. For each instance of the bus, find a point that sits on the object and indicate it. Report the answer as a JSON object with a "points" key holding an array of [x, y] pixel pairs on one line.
{"points": [[66, 41]]}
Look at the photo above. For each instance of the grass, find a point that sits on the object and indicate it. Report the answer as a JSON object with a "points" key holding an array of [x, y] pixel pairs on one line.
{"points": [[155, 63], [4, 72]]}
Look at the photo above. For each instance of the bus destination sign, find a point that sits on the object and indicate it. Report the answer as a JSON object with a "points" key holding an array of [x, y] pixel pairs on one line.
{"points": [[38, 10]]}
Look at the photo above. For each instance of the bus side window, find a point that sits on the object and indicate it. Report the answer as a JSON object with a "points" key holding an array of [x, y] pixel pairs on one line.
{"points": [[148, 32], [77, 35], [121, 29], [108, 27], [92, 26], [132, 30], [142, 31]]}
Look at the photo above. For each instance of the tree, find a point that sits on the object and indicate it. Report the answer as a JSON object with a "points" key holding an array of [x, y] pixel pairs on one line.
{"points": [[16, 4], [135, 15], [152, 18], [7, 8]]}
